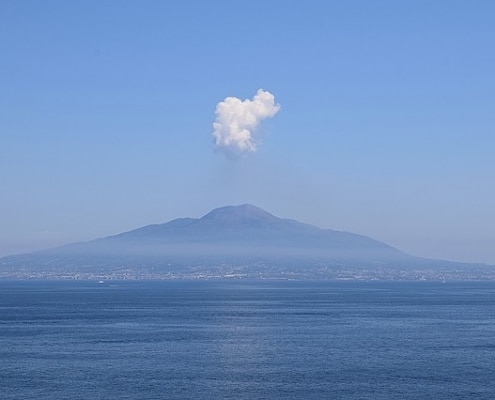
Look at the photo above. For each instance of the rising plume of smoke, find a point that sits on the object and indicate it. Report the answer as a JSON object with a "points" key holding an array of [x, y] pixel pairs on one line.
{"points": [[236, 122]]}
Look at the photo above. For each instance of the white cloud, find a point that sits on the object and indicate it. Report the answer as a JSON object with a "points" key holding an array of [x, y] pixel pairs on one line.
{"points": [[236, 122]]}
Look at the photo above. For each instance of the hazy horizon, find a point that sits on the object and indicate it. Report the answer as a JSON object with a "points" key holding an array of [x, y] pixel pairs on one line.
{"points": [[370, 118]]}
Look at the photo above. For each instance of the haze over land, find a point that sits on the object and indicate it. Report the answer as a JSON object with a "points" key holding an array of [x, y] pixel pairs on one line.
{"points": [[242, 241], [367, 117]]}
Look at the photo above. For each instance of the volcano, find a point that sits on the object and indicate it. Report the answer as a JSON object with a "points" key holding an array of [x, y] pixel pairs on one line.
{"points": [[231, 236]]}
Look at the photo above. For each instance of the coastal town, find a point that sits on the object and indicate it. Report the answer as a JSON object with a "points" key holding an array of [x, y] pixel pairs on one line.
{"points": [[256, 271]]}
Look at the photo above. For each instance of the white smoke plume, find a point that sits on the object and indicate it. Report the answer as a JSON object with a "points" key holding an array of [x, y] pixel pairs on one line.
{"points": [[236, 122]]}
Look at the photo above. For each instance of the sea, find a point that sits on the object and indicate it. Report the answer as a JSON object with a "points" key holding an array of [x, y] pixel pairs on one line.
{"points": [[239, 339]]}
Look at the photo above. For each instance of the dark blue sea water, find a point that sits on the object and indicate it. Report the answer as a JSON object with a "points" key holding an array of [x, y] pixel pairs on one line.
{"points": [[247, 340]]}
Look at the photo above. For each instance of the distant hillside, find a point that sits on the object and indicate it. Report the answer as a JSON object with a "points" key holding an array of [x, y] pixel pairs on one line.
{"points": [[238, 232], [242, 237]]}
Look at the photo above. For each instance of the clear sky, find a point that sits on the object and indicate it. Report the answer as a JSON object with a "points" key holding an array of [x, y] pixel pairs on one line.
{"points": [[386, 126]]}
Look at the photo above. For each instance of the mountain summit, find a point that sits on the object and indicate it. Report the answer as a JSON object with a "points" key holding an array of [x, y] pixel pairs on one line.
{"points": [[246, 214]]}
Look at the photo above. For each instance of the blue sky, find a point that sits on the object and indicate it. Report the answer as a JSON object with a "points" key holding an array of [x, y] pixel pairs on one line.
{"points": [[386, 126]]}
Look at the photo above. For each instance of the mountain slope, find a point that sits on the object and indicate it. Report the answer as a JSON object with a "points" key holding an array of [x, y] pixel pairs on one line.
{"points": [[246, 229]]}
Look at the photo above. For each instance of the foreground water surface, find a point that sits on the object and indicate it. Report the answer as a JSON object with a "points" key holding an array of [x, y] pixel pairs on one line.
{"points": [[246, 340]]}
